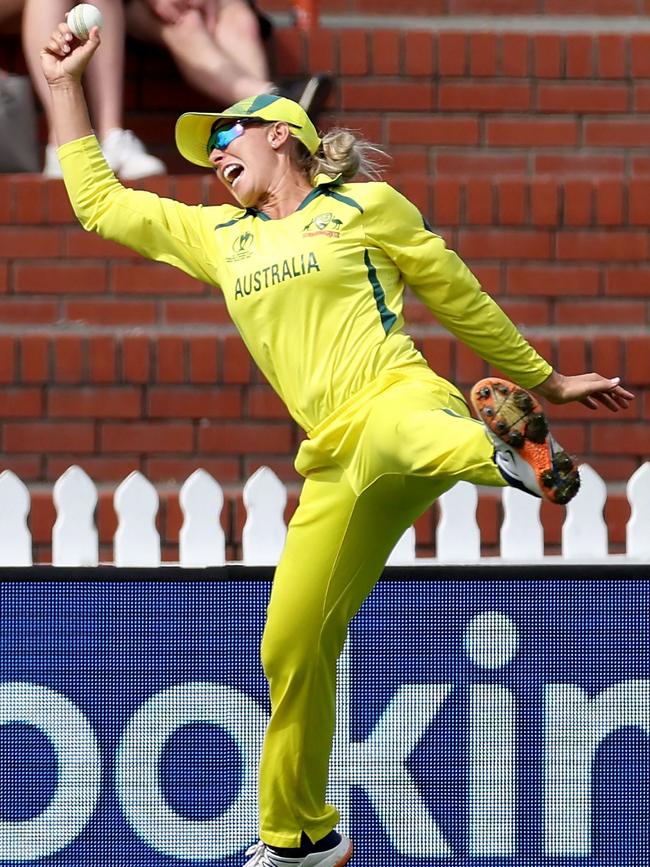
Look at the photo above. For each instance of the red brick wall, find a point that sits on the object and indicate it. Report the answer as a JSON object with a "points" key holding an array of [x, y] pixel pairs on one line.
{"points": [[527, 152]]}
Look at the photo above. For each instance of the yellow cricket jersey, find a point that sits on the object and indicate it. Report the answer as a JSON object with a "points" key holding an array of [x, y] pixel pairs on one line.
{"points": [[317, 296]]}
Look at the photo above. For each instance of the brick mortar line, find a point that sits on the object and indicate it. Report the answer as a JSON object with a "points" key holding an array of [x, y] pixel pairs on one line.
{"points": [[46, 329], [414, 328], [483, 23], [590, 332]]}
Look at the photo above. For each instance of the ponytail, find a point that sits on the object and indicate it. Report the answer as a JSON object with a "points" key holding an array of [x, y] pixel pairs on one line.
{"points": [[341, 153]]}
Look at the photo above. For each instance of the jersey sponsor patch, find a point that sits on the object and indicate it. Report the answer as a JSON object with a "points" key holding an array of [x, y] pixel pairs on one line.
{"points": [[323, 224]]}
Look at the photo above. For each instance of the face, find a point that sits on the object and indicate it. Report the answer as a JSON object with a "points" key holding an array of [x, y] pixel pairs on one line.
{"points": [[243, 154]]}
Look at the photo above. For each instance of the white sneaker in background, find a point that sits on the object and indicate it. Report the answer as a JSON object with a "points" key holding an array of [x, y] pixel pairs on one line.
{"points": [[52, 166], [127, 156]]}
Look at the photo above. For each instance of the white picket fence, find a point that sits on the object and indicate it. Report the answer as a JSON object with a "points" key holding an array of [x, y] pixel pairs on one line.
{"points": [[202, 543]]}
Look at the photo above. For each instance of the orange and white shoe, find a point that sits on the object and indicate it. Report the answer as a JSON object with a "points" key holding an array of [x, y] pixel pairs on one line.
{"points": [[337, 856], [525, 453]]}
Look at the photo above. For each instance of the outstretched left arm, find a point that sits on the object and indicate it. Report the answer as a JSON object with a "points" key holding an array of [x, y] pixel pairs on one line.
{"points": [[449, 289], [590, 389]]}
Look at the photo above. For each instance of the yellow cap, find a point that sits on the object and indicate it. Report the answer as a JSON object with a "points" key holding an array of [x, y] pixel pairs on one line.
{"points": [[193, 128]]}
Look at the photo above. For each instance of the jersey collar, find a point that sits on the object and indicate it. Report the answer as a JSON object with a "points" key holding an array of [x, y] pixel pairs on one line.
{"points": [[321, 184], [323, 180]]}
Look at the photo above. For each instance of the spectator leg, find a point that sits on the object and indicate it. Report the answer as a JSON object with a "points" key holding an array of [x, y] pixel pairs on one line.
{"points": [[105, 76], [201, 61]]}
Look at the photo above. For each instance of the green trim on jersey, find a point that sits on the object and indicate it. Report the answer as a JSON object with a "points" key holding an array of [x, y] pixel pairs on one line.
{"points": [[325, 190], [310, 198], [233, 221], [388, 319], [345, 199]]}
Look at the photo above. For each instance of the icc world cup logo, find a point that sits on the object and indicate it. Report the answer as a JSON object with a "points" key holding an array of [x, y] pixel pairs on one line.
{"points": [[243, 245]]}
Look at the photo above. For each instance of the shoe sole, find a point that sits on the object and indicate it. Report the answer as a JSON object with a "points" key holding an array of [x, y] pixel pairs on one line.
{"points": [[514, 416], [346, 857], [313, 858]]}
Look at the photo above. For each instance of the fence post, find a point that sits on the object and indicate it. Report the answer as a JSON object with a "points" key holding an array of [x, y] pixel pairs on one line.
{"points": [[136, 541], [403, 554], [74, 537], [638, 527], [584, 532], [522, 535], [265, 499], [15, 538], [201, 541], [458, 538]]}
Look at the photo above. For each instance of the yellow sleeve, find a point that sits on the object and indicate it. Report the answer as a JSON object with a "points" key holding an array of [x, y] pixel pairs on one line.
{"points": [[450, 290], [158, 228]]}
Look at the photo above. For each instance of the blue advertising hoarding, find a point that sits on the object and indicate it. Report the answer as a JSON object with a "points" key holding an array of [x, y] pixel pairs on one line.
{"points": [[486, 716]]}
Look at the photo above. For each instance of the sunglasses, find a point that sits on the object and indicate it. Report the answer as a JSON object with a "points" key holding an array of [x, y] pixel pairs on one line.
{"points": [[221, 137]]}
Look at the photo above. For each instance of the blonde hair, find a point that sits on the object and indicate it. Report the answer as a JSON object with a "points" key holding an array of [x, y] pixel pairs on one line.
{"points": [[341, 153]]}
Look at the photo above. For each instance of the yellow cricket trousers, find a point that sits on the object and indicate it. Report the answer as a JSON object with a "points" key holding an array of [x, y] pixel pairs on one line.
{"points": [[363, 488]]}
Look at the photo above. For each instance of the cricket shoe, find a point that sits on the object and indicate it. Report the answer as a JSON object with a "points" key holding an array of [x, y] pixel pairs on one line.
{"points": [[310, 93], [128, 157], [526, 454], [264, 856], [52, 167]]}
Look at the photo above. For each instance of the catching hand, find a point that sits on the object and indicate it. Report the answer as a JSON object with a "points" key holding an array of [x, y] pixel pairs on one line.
{"points": [[590, 389], [65, 58]]}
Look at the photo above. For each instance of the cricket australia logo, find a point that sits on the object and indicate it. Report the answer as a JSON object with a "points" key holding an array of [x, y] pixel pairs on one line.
{"points": [[324, 224], [242, 247]]}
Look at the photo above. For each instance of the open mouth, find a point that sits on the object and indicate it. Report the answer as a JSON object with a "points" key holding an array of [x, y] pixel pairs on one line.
{"points": [[232, 173]]}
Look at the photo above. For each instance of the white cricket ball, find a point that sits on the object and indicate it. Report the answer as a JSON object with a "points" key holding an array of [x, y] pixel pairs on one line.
{"points": [[82, 18]]}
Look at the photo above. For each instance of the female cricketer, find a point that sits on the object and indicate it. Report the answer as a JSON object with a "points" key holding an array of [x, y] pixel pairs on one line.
{"points": [[313, 270]]}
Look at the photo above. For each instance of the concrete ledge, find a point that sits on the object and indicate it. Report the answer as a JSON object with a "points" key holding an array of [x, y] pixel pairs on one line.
{"points": [[483, 23]]}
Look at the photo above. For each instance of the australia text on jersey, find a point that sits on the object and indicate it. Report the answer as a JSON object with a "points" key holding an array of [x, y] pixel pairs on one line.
{"points": [[296, 266]]}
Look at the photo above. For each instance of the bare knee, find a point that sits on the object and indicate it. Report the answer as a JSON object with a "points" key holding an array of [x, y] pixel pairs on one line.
{"points": [[188, 25], [237, 21]]}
